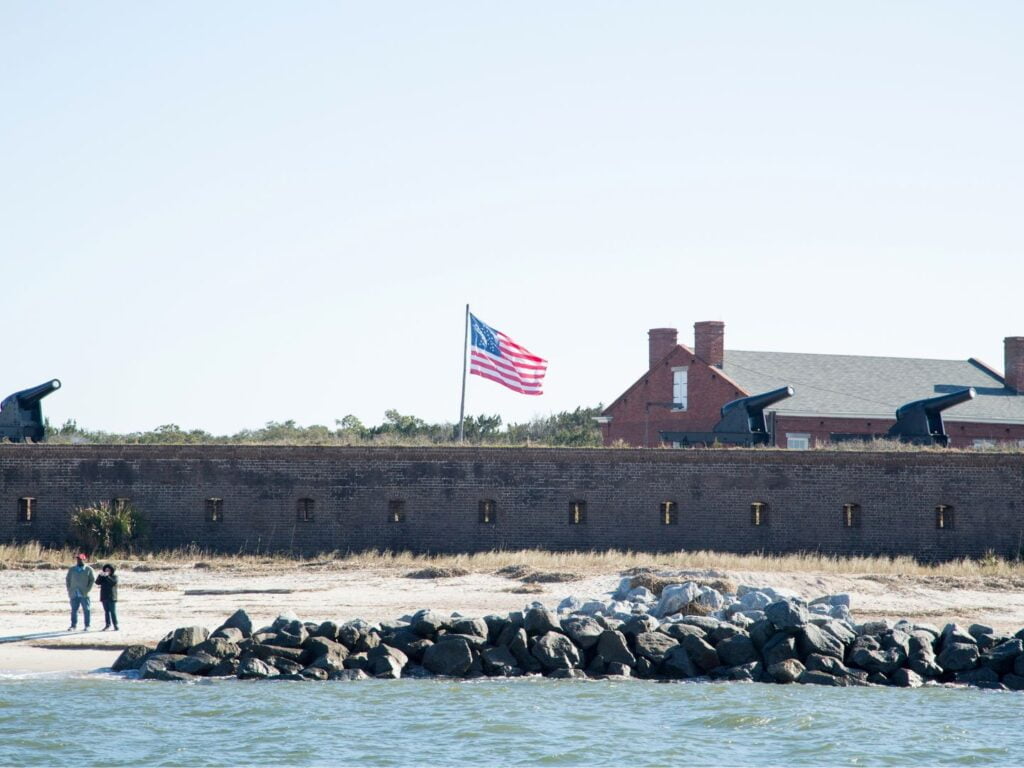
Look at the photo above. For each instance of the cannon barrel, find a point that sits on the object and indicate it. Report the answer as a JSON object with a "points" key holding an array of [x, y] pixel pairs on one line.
{"points": [[21, 414], [29, 397], [920, 421], [938, 403], [755, 402], [746, 414]]}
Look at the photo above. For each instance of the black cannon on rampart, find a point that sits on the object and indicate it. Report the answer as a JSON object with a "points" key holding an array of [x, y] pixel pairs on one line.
{"points": [[920, 422], [21, 414], [742, 423]]}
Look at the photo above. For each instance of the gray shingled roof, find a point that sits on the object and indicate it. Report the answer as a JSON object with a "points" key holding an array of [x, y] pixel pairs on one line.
{"points": [[871, 387]]}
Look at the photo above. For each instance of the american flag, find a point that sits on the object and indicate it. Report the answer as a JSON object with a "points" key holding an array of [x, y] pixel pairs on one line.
{"points": [[496, 357]]}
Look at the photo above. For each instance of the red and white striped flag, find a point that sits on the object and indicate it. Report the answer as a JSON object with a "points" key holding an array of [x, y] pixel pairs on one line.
{"points": [[496, 357]]}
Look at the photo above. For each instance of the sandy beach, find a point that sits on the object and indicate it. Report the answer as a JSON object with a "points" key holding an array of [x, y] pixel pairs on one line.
{"points": [[156, 598]]}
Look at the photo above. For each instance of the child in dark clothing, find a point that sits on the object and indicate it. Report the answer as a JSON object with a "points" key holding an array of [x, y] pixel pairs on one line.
{"points": [[107, 582]]}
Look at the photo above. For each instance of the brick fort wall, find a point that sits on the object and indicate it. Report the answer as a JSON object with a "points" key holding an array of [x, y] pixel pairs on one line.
{"points": [[355, 492]]}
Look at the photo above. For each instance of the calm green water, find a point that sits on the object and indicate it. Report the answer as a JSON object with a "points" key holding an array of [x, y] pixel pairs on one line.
{"points": [[105, 720]]}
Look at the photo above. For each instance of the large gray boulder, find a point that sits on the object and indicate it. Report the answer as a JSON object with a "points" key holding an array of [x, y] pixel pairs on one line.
{"points": [[451, 658], [131, 657], [224, 668], [196, 664], [780, 647], [736, 651], [266, 651], [219, 647], [708, 623], [323, 646], [498, 661], [751, 672], [540, 621], [1001, 657], [906, 678], [404, 640], [292, 635], [387, 662], [429, 623], [1013, 681], [475, 642], [958, 657], [171, 676], [830, 665], [238, 620], [654, 645], [286, 667], [840, 631], [701, 653], [612, 648], [349, 675], [556, 651], [678, 631], [678, 664], [638, 624], [252, 668], [582, 630], [811, 639], [787, 614], [467, 626], [676, 597], [183, 638], [157, 662], [786, 671], [880, 661], [982, 677], [515, 639], [817, 677], [954, 633], [330, 663]]}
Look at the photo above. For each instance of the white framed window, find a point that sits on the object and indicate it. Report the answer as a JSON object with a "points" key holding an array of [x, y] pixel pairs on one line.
{"points": [[679, 382], [798, 441]]}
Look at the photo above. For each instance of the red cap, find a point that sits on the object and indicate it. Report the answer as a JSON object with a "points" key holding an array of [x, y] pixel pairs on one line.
{"points": [[82, 556]]}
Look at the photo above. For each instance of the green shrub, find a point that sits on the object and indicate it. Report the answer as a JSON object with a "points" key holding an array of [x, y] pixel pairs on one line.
{"points": [[101, 528]]}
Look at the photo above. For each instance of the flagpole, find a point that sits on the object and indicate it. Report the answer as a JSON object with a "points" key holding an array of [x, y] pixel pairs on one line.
{"points": [[465, 357]]}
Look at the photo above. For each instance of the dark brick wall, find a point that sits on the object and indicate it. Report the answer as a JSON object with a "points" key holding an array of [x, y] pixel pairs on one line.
{"points": [[442, 488]]}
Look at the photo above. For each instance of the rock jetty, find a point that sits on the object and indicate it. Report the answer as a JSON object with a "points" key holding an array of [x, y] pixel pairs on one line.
{"points": [[689, 631]]}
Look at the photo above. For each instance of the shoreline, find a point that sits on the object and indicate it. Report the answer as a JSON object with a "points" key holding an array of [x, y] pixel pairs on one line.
{"points": [[157, 598]]}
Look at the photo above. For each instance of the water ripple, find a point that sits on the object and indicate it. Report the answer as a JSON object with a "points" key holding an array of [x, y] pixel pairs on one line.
{"points": [[47, 719]]}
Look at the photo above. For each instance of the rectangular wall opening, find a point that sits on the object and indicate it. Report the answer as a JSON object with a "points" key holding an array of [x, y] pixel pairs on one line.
{"points": [[669, 513], [215, 510], [944, 517], [758, 513], [396, 511], [488, 511], [305, 509], [851, 515], [577, 512], [26, 510]]}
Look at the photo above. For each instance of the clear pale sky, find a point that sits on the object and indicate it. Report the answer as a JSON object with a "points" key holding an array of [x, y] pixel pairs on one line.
{"points": [[221, 214]]}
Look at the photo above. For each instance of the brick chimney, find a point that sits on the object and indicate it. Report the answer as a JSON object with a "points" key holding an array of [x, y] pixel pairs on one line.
{"points": [[709, 342], [1013, 356], [660, 342]]}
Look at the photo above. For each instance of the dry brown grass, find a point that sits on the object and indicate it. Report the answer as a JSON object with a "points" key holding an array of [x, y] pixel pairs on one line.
{"points": [[537, 565]]}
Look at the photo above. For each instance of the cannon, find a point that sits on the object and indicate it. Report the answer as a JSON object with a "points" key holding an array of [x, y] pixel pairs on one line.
{"points": [[920, 422], [21, 414], [742, 422]]}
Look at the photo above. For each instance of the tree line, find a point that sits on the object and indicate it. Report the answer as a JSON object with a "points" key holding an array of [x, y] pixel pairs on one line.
{"points": [[565, 428]]}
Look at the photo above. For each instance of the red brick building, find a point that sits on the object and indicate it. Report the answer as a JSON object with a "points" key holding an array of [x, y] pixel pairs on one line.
{"points": [[684, 389]]}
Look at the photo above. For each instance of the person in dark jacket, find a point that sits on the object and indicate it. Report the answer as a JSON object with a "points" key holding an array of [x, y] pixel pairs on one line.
{"points": [[107, 583]]}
